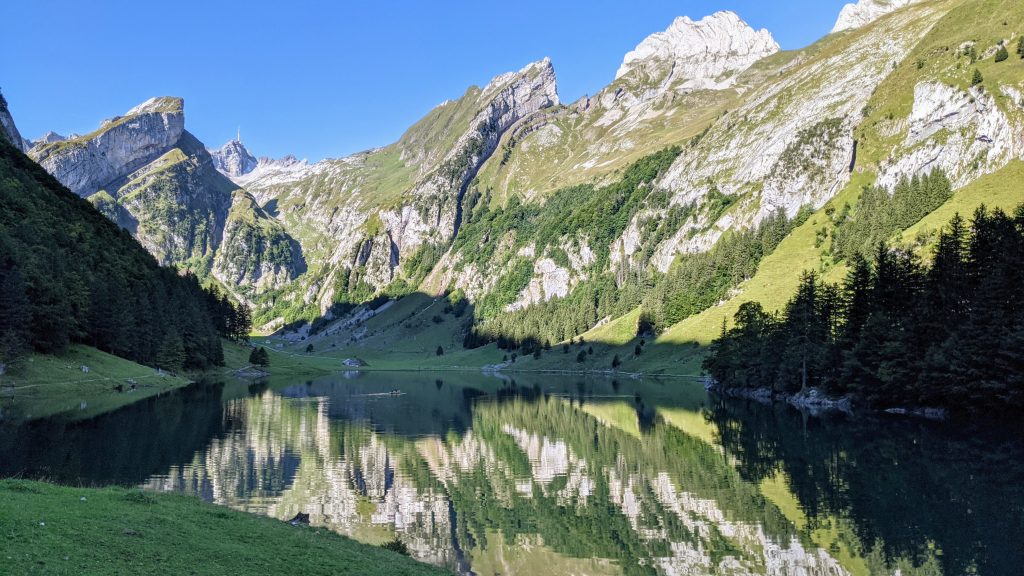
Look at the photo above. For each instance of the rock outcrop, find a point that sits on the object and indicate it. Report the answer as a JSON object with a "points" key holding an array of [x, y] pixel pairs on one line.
{"points": [[791, 143], [963, 133], [508, 98], [368, 219], [866, 11], [49, 138], [233, 159], [706, 54], [175, 205], [151, 176], [121, 145], [8, 129]]}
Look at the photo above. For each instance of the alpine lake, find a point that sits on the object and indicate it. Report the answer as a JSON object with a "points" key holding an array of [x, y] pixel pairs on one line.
{"points": [[546, 474]]}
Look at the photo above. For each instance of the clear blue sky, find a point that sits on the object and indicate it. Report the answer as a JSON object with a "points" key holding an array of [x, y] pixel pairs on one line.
{"points": [[324, 79]]}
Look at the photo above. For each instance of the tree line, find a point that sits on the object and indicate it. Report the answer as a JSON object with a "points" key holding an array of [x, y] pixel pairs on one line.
{"points": [[693, 283], [896, 331], [70, 275]]}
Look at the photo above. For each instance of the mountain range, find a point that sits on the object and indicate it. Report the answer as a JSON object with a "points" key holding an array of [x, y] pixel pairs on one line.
{"points": [[515, 201]]}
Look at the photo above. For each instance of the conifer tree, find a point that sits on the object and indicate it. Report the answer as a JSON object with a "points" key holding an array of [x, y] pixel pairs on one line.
{"points": [[15, 316], [171, 355], [259, 357]]}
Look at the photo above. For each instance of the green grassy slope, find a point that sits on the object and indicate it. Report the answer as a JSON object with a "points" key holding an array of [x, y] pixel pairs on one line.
{"points": [[405, 336], [47, 385], [51, 529]]}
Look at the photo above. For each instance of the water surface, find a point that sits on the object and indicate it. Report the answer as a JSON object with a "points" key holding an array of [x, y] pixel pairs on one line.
{"points": [[560, 475]]}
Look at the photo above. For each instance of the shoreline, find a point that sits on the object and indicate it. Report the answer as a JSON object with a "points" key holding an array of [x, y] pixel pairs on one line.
{"points": [[816, 403]]}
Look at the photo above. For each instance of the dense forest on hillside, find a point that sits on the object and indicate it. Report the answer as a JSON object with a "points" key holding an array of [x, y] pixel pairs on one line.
{"points": [[69, 274], [897, 332]]}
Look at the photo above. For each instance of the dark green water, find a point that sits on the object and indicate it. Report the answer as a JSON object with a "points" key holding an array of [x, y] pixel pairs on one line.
{"points": [[565, 476]]}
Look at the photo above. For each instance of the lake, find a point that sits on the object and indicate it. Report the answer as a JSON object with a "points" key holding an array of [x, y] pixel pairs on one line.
{"points": [[566, 475]]}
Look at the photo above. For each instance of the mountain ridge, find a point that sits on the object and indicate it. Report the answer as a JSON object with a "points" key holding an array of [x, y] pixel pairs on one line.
{"points": [[759, 132]]}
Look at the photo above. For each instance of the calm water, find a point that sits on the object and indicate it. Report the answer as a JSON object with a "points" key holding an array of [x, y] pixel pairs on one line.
{"points": [[563, 476]]}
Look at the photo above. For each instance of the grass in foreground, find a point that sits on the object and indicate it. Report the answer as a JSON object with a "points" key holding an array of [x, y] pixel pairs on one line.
{"points": [[49, 529]]}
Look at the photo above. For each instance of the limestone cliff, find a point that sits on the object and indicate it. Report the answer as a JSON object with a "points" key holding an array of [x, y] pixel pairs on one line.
{"points": [[151, 176], [705, 54], [122, 144], [866, 11], [8, 129]]}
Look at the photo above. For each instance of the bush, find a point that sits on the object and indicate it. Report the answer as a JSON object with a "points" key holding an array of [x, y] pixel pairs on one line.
{"points": [[396, 545], [259, 357], [1002, 54]]}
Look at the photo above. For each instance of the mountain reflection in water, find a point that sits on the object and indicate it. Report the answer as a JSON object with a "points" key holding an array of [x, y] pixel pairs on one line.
{"points": [[554, 475]]}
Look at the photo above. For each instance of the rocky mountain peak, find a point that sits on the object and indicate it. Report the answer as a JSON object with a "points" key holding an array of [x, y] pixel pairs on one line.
{"points": [[159, 105], [541, 72], [233, 159], [866, 11], [50, 137], [120, 145], [704, 54]]}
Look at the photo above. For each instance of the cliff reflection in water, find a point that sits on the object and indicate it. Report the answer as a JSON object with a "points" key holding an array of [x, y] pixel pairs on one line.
{"points": [[561, 476], [522, 480]]}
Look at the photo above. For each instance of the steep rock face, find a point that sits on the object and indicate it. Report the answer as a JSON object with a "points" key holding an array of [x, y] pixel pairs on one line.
{"points": [[866, 11], [122, 144], [8, 129], [790, 144], [371, 211], [705, 54], [963, 133], [510, 97], [233, 159], [147, 173], [256, 252], [674, 85], [177, 203]]}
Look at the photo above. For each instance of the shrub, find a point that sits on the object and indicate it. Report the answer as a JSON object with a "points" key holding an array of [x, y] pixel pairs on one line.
{"points": [[259, 357], [396, 545], [1002, 54]]}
